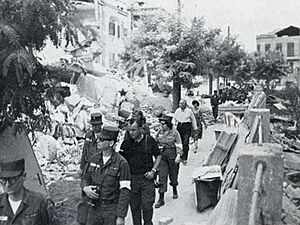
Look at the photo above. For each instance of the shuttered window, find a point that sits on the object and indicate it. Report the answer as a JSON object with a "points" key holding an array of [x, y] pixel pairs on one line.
{"points": [[290, 49]]}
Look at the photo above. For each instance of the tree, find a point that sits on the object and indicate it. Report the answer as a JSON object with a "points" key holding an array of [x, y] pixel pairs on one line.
{"points": [[269, 68], [228, 58], [25, 25], [186, 58], [173, 47], [243, 71]]}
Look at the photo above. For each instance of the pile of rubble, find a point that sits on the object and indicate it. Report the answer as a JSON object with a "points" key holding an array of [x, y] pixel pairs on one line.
{"points": [[284, 132], [59, 156], [58, 160], [291, 196], [291, 185]]}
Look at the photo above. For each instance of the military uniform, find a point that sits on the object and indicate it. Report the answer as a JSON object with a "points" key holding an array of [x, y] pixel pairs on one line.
{"points": [[112, 180], [172, 145], [90, 143], [19, 206], [89, 148], [34, 209], [113, 201]]}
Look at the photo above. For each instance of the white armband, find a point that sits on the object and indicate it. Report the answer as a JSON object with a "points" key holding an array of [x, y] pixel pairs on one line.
{"points": [[178, 145], [125, 184]]}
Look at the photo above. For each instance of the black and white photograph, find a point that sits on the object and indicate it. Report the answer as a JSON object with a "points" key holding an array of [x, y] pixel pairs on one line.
{"points": [[150, 112]]}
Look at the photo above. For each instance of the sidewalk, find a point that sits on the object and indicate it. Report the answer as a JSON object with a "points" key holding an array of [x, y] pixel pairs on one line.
{"points": [[183, 210]]}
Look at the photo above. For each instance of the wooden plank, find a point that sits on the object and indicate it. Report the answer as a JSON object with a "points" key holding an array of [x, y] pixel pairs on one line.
{"points": [[225, 212], [254, 130], [221, 149], [230, 170]]}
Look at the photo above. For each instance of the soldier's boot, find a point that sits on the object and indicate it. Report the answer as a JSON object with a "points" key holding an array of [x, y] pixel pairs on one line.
{"points": [[160, 201]]}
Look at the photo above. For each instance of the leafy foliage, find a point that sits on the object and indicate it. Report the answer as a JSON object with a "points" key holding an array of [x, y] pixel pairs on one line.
{"points": [[25, 25], [269, 67], [172, 47], [228, 58], [243, 71]]}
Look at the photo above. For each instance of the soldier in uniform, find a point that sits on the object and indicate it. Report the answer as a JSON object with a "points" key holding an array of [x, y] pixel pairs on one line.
{"points": [[169, 140], [19, 205], [90, 144], [106, 183]]}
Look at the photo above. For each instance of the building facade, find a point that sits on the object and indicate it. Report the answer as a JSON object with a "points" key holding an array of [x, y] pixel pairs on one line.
{"points": [[112, 21], [287, 41], [139, 9]]}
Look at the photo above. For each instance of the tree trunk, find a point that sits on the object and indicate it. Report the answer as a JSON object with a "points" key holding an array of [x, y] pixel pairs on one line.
{"points": [[176, 94], [218, 84], [210, 83]]}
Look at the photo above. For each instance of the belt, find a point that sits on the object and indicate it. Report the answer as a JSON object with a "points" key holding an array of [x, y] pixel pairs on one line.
{"points": [[107, 201], [103, 202]]}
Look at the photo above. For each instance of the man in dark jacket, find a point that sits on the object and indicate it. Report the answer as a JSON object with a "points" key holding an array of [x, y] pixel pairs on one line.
{"points": [[106, 183], [19, 205], [214, 102], [139, 150]]}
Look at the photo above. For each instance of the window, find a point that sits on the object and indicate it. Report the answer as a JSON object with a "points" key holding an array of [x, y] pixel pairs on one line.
{"points": [[136, 18], [113, 26], [258, 48], [291, 66], [118, 31], [125, 32], [112, 59], [112, 30], [290, 49], [267, 47], [279, 47]]}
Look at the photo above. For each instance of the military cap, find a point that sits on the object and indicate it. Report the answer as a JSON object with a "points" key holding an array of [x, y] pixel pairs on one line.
{"points": [[167, 118], [96, 118], [12, 169], [109, 132]]}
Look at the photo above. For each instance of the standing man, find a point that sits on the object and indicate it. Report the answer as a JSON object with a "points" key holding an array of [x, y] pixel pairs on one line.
{"points": [[139, 150], [89, 147], [106, 183], [185, 121], [19, 205], [214, 102]]}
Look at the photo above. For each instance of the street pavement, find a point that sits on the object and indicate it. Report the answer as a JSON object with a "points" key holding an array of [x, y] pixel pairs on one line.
{"points": [[183, 210]]}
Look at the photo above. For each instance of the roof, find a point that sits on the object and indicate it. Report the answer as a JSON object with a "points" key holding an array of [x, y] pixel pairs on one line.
{"points": [[289, 31], [279, 32]]}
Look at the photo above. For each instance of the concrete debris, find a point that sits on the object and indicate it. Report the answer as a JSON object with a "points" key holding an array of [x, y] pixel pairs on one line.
{"points": [[293, 193], [165, 221], [291, 189], [290, 211]]}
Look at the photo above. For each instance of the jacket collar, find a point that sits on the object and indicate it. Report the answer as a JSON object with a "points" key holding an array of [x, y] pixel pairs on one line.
{"points": [[4, 200], [25, 201]]}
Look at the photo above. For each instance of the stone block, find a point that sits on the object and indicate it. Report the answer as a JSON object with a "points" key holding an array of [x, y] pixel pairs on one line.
{"points": [[165, 220], [270, 200]]}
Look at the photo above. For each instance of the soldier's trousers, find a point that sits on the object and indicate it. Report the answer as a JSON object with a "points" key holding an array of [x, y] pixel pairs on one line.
{"points": [[168, 167], [142, 199], [102, 215]]}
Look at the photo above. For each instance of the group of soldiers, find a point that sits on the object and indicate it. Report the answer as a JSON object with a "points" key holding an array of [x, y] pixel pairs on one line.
{"points": [[110, 181]]}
